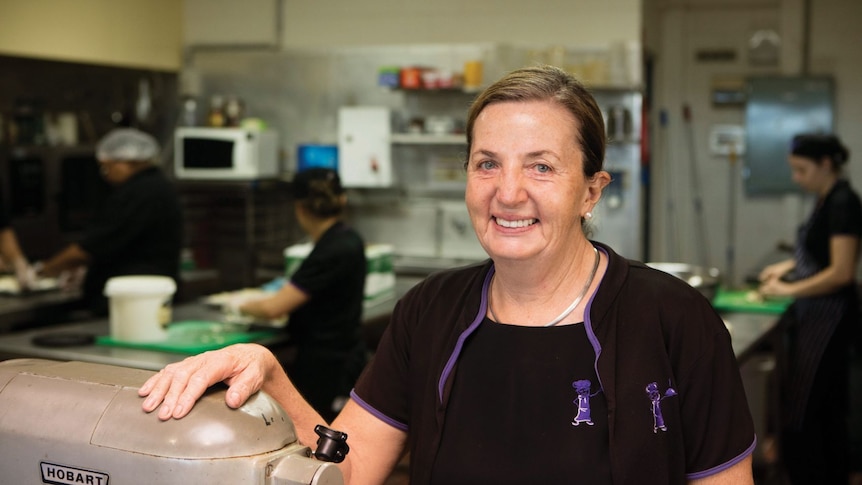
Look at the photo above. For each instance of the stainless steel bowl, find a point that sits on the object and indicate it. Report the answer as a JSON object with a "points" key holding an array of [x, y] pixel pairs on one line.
{"points": [[705, 280]]}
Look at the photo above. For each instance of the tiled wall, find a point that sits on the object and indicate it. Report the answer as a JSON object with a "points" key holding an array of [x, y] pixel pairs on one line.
{"points": [[95, 94]]}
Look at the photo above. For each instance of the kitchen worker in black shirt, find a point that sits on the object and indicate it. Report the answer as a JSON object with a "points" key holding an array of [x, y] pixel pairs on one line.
{"points": [[11, 256], [818, 328], [323, 297], [138, 230]]}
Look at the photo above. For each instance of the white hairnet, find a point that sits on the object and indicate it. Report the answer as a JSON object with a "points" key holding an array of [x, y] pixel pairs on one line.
{"points": [[127, 145]]}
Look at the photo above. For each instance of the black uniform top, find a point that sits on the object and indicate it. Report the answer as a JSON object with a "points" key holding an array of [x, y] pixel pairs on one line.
{"points": [[333, 276], [522, 372], [676, 407], [840, 213], [4, 217], [327, 329], [138, 230]]}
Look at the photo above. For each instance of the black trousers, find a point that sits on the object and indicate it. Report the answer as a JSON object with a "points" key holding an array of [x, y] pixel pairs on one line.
{"points": [[818, 452]]}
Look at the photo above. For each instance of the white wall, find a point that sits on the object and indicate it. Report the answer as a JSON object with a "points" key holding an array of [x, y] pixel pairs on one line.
{"points": [[674, 31], [126, 33], [341, 23], [837, 50], [567, 22]]}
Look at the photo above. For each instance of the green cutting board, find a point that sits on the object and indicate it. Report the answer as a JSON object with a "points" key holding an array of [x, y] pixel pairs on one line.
{"points": [[736, 301], [193, 337]]}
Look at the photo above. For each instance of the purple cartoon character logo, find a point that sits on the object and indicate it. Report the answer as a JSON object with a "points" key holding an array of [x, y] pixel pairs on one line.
{"points": [[582, 387], [655, 398]]}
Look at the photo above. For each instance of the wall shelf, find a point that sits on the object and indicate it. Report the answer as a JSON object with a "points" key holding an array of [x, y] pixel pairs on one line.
{"points": [[428, 139], [447, 90]]}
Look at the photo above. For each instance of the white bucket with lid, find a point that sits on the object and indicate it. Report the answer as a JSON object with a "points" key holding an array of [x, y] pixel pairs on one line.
{"points": [[140, 307]]}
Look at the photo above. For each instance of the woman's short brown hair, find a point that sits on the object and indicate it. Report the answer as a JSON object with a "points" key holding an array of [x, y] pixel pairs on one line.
{"points": [[550, 83]]}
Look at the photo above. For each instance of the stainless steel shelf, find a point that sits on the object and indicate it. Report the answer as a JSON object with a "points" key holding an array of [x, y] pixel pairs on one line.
{"points": [[428, 139]]}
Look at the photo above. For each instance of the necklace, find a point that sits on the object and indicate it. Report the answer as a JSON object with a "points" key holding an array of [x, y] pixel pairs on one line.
{"points": [[571, 307]]}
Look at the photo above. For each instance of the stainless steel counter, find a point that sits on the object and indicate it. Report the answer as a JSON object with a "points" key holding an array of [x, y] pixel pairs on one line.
{"points": [[20, 344], [17, 311], [28, 310], [748, 331]]}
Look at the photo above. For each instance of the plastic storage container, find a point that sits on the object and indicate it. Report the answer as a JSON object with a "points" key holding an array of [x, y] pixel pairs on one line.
{"points": [[380, 277], [380, 272], [294, 256], [140, 307]]}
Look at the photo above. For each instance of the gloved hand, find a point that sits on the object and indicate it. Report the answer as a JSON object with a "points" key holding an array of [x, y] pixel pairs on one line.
{"points": [[233, 304], [71, 279], [235, 301], [26, 274], [231, 307]]}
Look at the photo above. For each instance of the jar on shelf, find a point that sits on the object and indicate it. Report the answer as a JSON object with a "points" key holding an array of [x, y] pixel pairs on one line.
{"points": [[216, 117], [233, 111], [411, 78]]}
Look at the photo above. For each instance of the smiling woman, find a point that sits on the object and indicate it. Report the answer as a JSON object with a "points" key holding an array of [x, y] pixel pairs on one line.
{"points": [[525, 191], [590, 365]]}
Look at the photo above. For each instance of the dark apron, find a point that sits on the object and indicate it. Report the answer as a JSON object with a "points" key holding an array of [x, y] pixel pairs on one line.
{"points": [[810, 323]]}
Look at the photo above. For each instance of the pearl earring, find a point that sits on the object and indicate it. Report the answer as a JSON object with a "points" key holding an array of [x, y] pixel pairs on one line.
{"points": [[588, 215]]}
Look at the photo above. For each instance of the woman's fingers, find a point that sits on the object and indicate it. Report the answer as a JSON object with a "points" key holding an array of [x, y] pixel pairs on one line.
{"points": [[176, 388], [249, 363]]}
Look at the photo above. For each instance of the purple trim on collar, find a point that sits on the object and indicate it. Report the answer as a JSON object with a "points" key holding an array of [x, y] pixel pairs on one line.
{"points": [[588, 322], [723, 466], [382, 417], [483, 308]]}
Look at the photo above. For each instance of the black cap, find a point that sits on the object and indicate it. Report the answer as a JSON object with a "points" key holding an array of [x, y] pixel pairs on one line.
{"points": [[302, 181], [817, 146]]}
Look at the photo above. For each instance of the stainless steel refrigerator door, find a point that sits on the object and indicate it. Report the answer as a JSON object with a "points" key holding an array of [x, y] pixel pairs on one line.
{"points": [[777, 109]]}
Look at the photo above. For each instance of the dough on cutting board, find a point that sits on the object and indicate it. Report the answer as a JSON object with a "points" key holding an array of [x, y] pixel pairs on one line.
{"points": [[754, 296]]}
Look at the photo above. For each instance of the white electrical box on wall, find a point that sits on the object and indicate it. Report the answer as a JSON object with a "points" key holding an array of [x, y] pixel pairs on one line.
{"points": [[364, 150], [727, 139]]}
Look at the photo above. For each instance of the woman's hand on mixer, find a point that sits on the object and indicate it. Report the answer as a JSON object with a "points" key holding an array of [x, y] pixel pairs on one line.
{"points": [[175, 389]]}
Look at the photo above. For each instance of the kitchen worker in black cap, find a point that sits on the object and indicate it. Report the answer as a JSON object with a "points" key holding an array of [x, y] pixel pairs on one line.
{"points": [[138, 230], [323, 297], [820, 326]]}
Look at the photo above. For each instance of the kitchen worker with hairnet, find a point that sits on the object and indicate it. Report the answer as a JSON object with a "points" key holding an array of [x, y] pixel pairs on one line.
{"points": [[138, 230], [12, 258]]}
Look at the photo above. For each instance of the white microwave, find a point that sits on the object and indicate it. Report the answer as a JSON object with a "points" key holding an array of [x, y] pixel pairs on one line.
{"points": [[225, 153]]}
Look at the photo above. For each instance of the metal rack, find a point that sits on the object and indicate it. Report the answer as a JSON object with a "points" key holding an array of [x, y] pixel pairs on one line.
{"points": [[238, 227]]}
